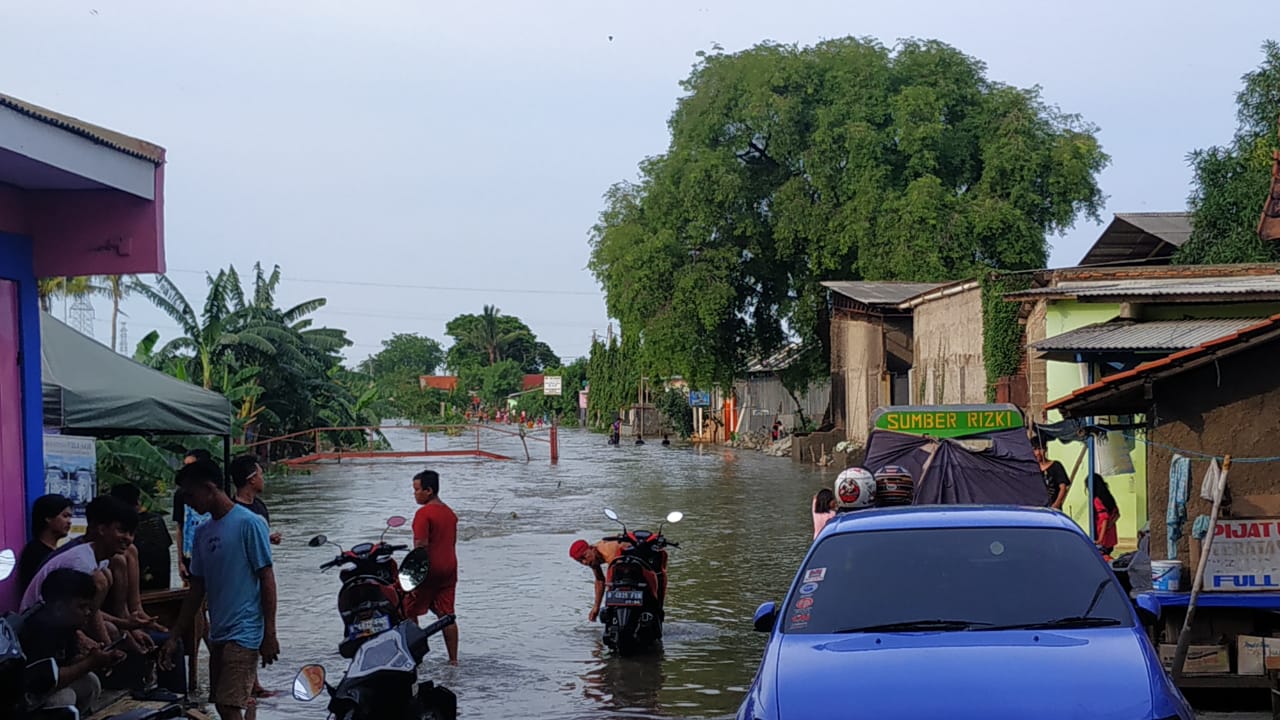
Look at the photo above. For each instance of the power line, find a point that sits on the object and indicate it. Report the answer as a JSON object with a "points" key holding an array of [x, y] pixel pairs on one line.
{"points": [[440, 288]]}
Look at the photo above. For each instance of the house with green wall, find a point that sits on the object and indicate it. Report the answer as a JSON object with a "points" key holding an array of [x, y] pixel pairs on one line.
{"points": [[1084, 324]]}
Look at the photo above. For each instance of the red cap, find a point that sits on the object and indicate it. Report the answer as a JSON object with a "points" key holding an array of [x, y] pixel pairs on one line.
{"points": [[578, 549]]}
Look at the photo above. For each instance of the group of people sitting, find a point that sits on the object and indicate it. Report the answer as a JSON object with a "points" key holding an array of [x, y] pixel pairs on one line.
{"points": [[87, 592]]}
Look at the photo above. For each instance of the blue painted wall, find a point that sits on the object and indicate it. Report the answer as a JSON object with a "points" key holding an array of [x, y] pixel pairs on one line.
{"points": [[16, 264]]}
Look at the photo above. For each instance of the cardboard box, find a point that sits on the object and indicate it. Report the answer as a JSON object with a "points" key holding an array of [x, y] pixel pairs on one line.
{"points": [[1271, 654], [1251, 654], [1255, 506], [1201, 659]]}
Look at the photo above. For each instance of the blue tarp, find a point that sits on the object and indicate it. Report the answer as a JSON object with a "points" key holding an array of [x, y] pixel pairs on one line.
{"points": [[1157, 601]]}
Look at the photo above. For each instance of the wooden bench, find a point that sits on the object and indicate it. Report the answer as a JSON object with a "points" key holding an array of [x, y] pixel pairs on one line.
{"points": [[166, 605]]}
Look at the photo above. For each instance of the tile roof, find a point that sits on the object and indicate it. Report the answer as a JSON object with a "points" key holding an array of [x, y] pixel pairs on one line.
{"points": [[112, 139], [1263, 331]]}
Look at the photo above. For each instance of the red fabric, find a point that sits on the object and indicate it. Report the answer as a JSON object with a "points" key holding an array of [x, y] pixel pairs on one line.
{"points": [[1101, 516], [437, 525], [578, 549], [436, 600]]}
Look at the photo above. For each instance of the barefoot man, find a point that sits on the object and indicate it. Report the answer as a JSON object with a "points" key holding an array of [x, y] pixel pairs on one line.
{"points": [[435, 527]]}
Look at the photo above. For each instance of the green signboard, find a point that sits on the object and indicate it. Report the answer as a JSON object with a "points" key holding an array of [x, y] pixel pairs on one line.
{"points": [[947, 421]]}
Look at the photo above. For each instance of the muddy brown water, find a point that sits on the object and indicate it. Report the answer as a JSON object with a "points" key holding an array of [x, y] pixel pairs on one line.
{"points": [[527, 649]]}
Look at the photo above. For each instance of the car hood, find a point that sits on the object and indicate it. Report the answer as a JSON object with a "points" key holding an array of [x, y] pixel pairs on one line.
{"points": [[1096, 674]]}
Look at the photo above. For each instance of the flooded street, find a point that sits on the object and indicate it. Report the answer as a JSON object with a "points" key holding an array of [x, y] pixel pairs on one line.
{"points": [[527, 649]]}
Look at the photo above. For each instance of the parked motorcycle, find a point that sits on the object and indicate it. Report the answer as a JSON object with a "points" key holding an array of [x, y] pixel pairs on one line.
{"points": [[636, 588], [22, 684], [370, 601], [379, 682]]}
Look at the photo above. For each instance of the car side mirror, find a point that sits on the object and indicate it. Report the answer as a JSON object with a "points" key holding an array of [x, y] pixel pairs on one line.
{"points": [[317, 541], [1148, 609], [766, 617], [308, 683]]}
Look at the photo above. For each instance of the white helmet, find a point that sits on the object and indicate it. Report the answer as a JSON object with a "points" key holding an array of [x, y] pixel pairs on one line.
{"points": [[855, 489]]}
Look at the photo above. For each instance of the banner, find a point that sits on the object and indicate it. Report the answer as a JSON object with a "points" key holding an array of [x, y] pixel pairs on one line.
{"points": [[71, 470]]}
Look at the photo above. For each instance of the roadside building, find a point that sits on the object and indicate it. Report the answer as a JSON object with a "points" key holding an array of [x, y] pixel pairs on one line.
{"points": [[75, 200]]}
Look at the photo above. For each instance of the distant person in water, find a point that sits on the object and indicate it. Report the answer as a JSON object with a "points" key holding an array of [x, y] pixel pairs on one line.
{"points": [[615, 432], [665, 440]]}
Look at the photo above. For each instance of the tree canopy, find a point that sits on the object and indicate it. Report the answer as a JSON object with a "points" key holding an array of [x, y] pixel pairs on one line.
{"points": [[792, 165], [491, 337], [1232, 181], [405, 354]]}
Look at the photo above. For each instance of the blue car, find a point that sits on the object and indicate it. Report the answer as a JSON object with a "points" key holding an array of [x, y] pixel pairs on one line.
{"points": [[957, 612]]}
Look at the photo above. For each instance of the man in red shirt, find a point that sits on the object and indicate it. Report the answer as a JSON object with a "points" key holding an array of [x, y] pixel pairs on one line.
{"points": [[435, 527]]}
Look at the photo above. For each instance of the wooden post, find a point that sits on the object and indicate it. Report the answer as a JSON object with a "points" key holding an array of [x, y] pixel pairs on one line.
{"points": [[555, 441], [1184, 637]]}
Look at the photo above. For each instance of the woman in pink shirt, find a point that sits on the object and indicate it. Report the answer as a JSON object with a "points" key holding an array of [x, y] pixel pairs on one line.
{"points": [[824, 508]]}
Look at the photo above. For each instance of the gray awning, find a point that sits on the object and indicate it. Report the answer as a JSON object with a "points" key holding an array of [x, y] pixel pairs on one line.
{"points": [[875, 292], [90, 390], [1126, 336]]}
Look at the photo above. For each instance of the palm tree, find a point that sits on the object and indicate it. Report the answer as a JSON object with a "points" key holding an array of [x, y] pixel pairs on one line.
{"points": [[116, 287], [488, 337], [52, 287]]}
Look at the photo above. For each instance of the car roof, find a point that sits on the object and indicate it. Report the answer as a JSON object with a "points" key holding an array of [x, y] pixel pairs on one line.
{"points": [[922, 517]]}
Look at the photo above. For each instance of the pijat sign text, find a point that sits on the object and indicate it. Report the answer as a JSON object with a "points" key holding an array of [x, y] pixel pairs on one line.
{"points": [[1245, 556]]}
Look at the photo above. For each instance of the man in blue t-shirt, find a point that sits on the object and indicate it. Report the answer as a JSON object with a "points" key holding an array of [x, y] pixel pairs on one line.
{"points": [[231, 566]]}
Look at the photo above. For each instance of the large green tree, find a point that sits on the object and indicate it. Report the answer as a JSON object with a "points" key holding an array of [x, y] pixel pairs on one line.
{"points": [[405, 354], [491, 337], [1232, 181], [846, 160]]}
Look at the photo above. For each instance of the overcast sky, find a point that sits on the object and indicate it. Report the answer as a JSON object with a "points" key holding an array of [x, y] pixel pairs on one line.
{"points": [[414, 160]]}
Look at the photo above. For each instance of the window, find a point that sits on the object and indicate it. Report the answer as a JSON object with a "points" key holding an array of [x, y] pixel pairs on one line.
{"points": [[993, 576]]}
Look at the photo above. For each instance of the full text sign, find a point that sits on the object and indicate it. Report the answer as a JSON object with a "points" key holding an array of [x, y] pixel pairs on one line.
{"points": [[1245, 556]]}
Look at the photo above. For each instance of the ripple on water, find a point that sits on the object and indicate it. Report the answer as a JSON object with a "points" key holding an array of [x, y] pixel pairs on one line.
{"points": [[527, 649]]}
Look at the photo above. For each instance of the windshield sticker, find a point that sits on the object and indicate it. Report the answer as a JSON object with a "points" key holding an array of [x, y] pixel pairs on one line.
{"points": [[804, 603], [815, 575], [799, 619], [808, 588]]}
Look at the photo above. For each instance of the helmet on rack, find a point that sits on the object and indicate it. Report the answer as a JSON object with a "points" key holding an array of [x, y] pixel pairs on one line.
{"points": [[855, 489]]}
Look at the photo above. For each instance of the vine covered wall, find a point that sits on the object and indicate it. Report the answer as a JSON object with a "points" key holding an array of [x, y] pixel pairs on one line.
{"points": [[1001, 332]]}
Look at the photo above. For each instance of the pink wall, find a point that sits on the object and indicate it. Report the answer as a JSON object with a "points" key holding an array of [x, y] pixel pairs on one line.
{"points": [[88, 232], [13, 509]]}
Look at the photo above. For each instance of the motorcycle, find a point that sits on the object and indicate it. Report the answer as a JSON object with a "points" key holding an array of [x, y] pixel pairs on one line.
{"points": [[379, 681], [22, 684], [636, 588], [370, 601]]}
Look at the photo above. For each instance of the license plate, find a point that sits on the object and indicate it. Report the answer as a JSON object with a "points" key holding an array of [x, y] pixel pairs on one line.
{"points": [[372, 626], [624, 597]]}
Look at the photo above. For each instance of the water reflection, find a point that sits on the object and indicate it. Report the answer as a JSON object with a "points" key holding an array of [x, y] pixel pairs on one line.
{"points": [[527, 649]]}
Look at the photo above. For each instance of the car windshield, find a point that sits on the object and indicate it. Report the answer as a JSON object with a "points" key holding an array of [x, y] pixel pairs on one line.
{"points": [[954, 579]]}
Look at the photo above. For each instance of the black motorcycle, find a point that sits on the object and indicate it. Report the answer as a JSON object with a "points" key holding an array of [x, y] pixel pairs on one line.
{"points": [[22, 684], [381, 678], [636, 588], [371, 601]]}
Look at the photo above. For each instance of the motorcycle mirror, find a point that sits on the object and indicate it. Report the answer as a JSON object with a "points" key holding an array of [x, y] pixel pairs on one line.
{"points": [[396, 521], [675, 516], [7, 563], [317, 541], [413, 570], [610, 514], [308, 683]]}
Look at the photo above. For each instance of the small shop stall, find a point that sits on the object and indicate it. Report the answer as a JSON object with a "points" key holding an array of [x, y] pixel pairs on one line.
{"points": [[89, 390], [1212, 454]]}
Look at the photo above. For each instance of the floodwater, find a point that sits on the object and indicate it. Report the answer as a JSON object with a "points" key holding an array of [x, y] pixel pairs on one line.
{"points": [[527, 649]]}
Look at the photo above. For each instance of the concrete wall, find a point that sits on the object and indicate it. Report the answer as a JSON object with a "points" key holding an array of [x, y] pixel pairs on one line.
{"points": [[1228, 407], [947, 344], [1037, 367], [857, 364]]}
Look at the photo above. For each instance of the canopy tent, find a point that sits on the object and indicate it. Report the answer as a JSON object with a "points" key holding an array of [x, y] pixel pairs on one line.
{"points": [[90, 389]]}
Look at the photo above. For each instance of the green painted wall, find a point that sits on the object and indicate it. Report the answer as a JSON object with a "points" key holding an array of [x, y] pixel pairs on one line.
{"points": [[1064, 378]]}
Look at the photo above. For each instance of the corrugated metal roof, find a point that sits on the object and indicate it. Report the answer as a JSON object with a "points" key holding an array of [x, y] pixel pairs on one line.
{"points": [[780, 360], [1132, 287], [1079, 401], [112, 139], [1138, 336], [875, 292], [1140, 238]]}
